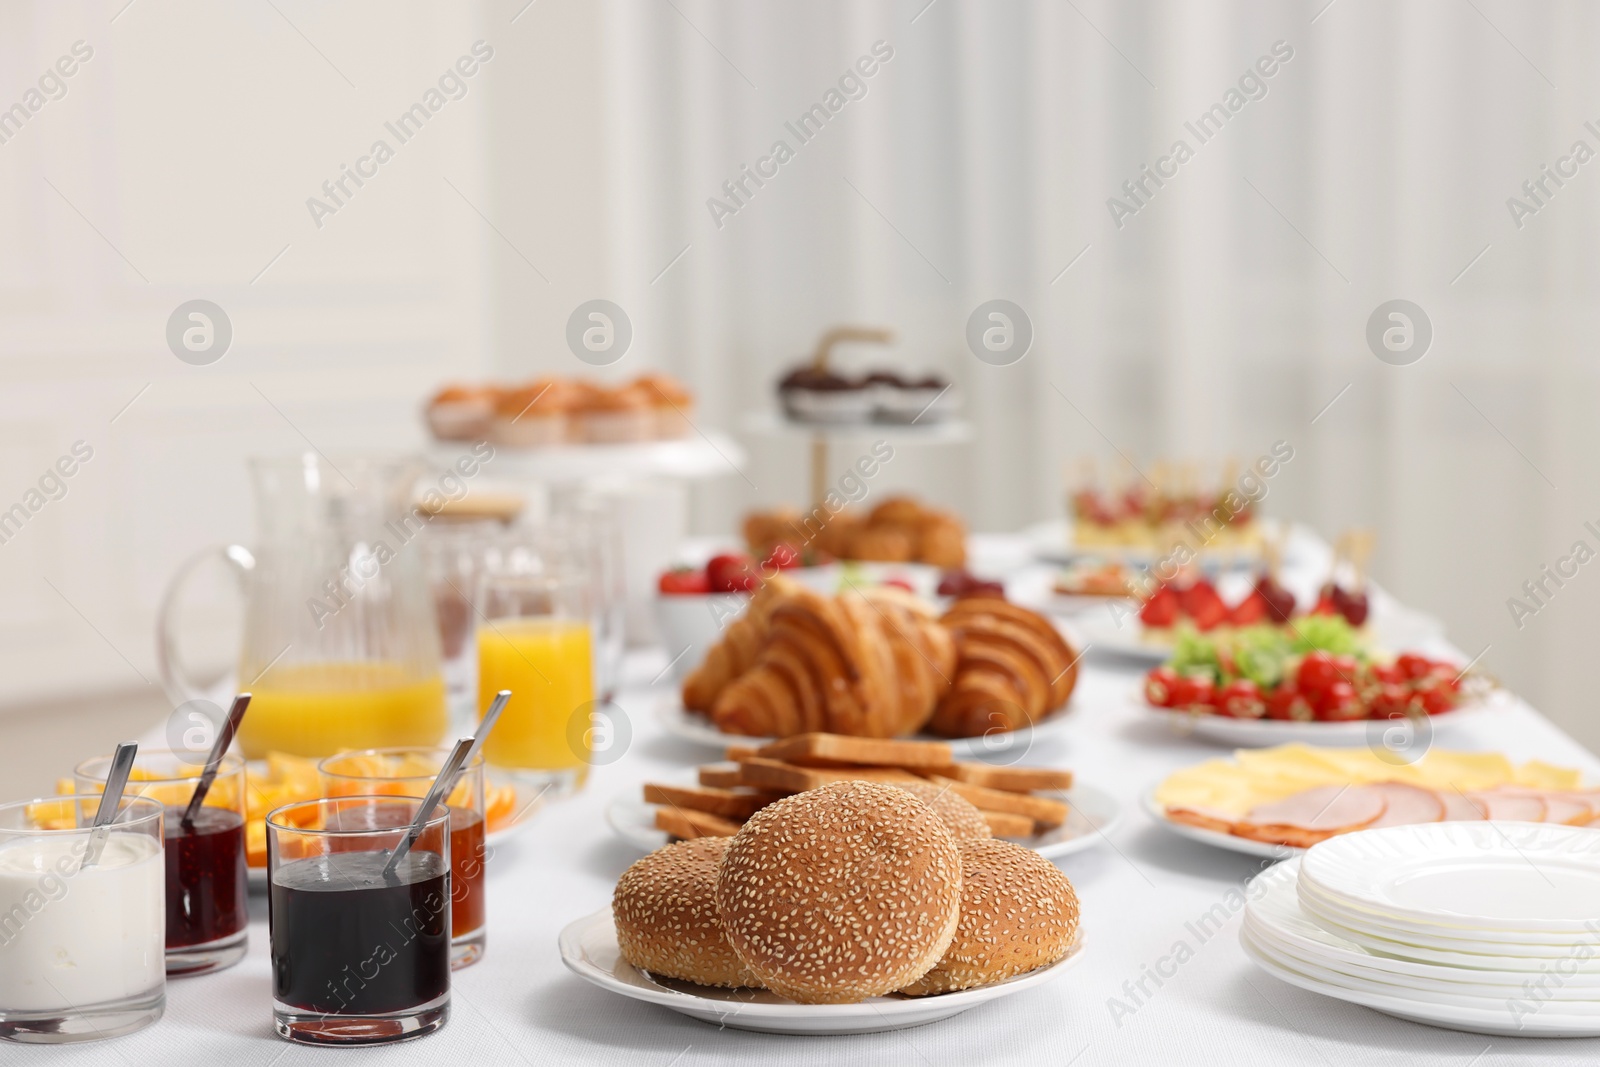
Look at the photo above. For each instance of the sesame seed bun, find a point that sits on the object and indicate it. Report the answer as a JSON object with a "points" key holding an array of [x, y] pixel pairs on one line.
{"points": [[841, 893], [1018, 913], [666, 915], [959, 815]]}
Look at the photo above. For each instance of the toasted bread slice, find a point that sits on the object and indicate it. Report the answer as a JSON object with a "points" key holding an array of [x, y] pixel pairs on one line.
{"points": [[739, 752], [721, 775], [1009, 779], [691, 824], [822, 749], [724, 802], [1045, 812], [779, 777], [1005, 824]]}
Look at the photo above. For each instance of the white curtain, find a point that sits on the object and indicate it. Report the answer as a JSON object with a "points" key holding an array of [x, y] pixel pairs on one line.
{"points": [[1225, 314]]}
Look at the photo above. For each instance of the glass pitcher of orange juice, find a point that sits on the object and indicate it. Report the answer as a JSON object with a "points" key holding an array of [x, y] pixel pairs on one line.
{"points": [[340, 646]]}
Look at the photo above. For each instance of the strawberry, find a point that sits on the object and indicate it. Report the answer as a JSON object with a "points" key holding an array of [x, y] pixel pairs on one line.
{"points": [[731, 573], [1161, 609], [683, 581]]}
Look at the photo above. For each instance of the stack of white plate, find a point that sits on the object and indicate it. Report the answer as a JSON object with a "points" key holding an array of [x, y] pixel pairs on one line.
{"points": [[1491, 927]]}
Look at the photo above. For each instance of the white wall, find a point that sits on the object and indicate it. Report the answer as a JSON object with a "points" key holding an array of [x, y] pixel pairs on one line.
{"points": [[1211, 324], [190, 141]]}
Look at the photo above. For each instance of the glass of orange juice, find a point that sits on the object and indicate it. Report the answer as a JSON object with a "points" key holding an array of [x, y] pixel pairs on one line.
{"points": [[535, 608]]}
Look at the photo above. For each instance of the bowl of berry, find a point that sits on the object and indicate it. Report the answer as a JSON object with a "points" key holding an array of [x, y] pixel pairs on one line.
{"points": [[694, 603]]}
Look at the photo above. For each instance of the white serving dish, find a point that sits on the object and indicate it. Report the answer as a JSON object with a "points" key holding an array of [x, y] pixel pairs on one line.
{"points": [[589, 949], [1265, 733], [688, 624], [1485, 1004], [1472, 875]]}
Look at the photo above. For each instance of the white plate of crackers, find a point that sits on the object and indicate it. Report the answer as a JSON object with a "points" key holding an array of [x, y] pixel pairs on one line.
{"points": [[1041, 808]]}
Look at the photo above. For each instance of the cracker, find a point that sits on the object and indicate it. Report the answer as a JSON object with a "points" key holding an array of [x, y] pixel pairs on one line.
{"points": [[825, 749], [1045, 812], [724, 802], [691, 824]]}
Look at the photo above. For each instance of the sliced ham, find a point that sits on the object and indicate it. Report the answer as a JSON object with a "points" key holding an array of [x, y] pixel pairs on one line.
{"points": [[1561, 806], [1458, 808], [1565, 809], [1405, 804], [1591, 804], [1314, 815], [1512, 807], [1205, 818]]}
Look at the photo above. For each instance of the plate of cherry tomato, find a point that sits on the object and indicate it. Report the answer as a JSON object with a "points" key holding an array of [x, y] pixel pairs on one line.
{"points": [[1321, 698]]}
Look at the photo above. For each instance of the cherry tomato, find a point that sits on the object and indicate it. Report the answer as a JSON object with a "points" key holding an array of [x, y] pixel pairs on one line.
{"points": [[1348, 669], [899, 583], [1159, 685], [1242, 700], [731, 573], [1339, 703], [1389, 674], [683, 581], [1316, 674], [1392, 701], [1436, 700], [1288, 703], [1413, 665], [1446, 673], [1194, 692], [783, 557]]}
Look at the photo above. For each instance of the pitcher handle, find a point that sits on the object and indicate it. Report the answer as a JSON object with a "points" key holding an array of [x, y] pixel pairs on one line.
{"points": [[175, 677]]}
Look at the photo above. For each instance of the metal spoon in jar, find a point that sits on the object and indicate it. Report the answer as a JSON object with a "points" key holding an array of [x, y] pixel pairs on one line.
{"points": [[219, 748], [110, 801], [460, 759]]}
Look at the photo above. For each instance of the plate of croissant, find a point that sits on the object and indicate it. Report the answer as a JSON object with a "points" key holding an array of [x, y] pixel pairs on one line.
{"points": [[986, 675]]}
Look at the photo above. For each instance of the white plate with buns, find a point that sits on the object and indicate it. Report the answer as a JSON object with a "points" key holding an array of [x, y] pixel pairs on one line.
{"points": [[681, 722], [1095, 814], [589, 949]]}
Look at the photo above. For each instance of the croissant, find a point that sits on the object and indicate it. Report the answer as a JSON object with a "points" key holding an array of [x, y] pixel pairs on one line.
{"points": [[924, 654], [1013, 669], [867, 664], [742, 641]]}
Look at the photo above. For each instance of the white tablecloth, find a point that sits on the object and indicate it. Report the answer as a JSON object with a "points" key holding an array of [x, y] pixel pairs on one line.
{"points": [[1143, 891]]}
